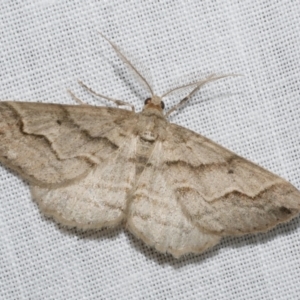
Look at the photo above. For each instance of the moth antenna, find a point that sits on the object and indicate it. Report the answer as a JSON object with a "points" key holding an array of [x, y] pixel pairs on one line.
{"points": [[128, 62], [198, 84]]}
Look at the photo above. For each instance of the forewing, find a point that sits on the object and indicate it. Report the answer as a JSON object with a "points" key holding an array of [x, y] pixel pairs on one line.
{"points": [[51, 145], [79, 160], [221, 192]]}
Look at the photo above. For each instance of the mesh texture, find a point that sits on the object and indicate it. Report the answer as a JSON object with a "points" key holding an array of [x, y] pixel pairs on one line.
{"points": [[46, 46]]}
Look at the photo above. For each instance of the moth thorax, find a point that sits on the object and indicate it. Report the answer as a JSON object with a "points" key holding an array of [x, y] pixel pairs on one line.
{"points": [[148, 135]]}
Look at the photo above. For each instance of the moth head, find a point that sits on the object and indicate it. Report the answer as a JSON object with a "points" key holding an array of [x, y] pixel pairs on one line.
{"points": [[154, 102]]}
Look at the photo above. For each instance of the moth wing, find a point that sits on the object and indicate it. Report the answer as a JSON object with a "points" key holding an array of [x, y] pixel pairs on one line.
{"points": [[77, 159], [221, 192], [97, 200], [156, 216], [51, 144]]}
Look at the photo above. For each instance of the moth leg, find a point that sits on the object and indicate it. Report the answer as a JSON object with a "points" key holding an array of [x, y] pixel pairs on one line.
{"points": [[80, 102], [198, 85], [117, 102]]}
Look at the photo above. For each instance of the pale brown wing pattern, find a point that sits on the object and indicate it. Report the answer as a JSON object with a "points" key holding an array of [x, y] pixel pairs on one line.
{"points": [[97, 200], [52, 144], [155, 215], [221, 192], [79, 160]]}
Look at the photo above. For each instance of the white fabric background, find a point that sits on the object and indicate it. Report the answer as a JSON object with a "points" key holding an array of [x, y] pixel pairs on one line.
{"points": [[46, 46]]}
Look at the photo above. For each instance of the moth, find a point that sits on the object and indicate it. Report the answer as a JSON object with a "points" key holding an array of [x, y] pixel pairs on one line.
{"points": [[94, 167]]}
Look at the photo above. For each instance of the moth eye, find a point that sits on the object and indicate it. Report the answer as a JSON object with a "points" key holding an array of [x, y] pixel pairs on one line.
{"points": [[147, 101], [162, 104]]}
